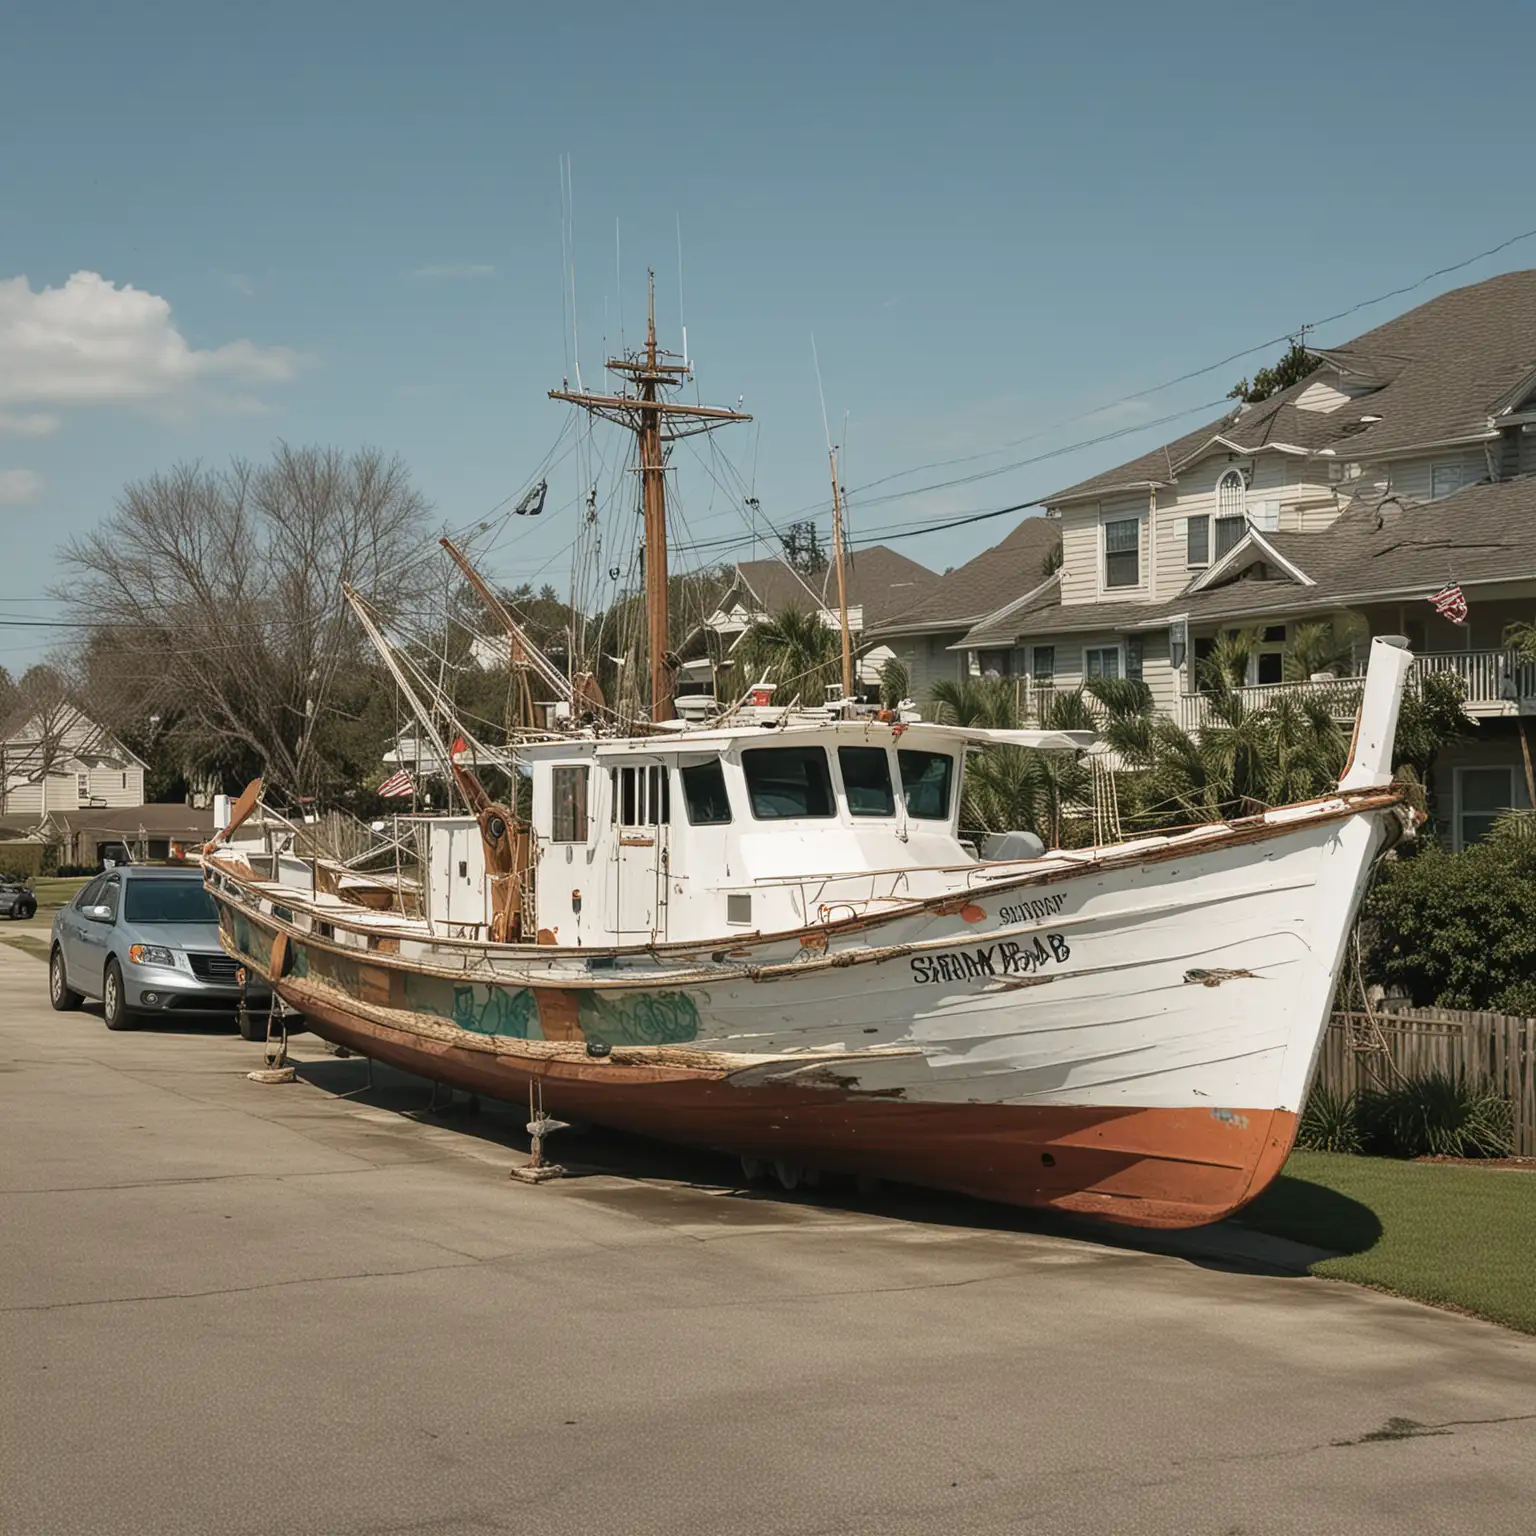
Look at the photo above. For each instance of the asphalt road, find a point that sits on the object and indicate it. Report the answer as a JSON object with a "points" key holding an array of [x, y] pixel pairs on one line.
{"points": [[227, 1307]]}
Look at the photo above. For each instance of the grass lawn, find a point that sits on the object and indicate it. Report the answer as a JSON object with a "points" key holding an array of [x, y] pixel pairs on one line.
{"points": [[27, 943], [1453, 1236], [55, 891]]}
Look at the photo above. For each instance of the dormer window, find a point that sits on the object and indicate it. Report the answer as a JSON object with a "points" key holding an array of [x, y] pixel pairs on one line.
{"points": [[1231, 510]]}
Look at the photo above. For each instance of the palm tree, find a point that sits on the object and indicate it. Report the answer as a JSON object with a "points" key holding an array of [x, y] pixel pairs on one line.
{"points": [[895, 683], [794, 649], [989, 703]]}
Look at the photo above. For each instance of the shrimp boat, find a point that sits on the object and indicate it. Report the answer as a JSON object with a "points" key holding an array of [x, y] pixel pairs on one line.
{"points": [[763, 934]]}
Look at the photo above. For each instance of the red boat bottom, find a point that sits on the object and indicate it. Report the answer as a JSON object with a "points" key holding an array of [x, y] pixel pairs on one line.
{"points": [[1142, 1166]]}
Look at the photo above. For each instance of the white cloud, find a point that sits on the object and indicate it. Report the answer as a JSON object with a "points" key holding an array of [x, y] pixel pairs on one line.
{"points": [[90, 342], [27, 424], [18, 486], [450, 271]]}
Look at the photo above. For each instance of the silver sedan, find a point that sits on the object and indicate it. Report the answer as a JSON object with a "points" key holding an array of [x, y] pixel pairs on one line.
{"points": [[146, 940]]}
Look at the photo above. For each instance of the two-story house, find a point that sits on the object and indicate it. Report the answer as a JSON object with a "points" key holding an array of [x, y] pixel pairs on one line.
{"points": [[1406, 462], [53, 758]]}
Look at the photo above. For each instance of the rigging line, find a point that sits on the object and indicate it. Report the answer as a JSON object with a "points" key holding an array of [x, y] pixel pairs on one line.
{"points": [[1196, 373]]}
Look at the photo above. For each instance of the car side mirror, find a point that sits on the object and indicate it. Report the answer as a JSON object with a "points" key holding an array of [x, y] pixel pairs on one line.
{"points": [[100, 914]]}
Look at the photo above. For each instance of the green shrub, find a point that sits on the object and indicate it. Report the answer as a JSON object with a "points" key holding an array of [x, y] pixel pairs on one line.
{"points": [[1330, 1121], [1437, 1115], [1458, 930]]}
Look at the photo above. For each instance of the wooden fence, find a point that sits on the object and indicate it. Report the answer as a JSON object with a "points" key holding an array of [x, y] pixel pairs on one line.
{"points": [[1492, 1046]]}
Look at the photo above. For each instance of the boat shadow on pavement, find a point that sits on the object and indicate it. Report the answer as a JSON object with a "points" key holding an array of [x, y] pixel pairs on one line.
{"points": [[627, 1171]]}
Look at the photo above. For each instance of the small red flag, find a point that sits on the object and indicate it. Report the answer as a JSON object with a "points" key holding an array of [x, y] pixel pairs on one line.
{"points": [[459, 748]]}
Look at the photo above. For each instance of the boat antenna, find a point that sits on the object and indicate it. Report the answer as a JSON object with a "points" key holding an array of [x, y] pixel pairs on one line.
{"points": [[654, 421], [837, 538]]}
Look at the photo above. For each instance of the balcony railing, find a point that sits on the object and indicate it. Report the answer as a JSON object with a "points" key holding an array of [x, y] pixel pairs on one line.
{"points": [[1493, 682]]}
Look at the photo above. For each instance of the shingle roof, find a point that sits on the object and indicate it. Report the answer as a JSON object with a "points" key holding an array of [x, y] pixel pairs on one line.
{"points": [[1484, 533], [1436, 372], [883, 582], [996, 576]]}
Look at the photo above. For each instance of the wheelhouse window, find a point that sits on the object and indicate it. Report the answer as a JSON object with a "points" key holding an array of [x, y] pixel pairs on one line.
{"points": [[926, 778], [1122, 553], [787, 783], [1197, 541], [568, 811], [641, 797], [1101, 661], [866, 775], [704, 794], [1231, 511]]}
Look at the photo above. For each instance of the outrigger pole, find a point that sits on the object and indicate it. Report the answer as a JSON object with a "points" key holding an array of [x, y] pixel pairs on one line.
{"points": [[649, 417]]}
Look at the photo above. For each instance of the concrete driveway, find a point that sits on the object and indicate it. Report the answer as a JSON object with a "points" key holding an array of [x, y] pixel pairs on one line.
{"points": [[227, 1307]]}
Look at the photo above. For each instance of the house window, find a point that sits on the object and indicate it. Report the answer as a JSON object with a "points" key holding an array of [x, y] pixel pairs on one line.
{"points": [[568, 792], [1198, 541], [1122, 553], [995, 663], [1102, 661], [1482, 796], [82, 787], [125, 781], [1268, 665], [1231, 509], [1133, 658], [1044, 664], [1446, 478]]}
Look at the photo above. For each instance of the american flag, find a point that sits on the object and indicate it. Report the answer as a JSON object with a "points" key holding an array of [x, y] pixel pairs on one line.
{"points": [[1451, 603], [397, 786]]}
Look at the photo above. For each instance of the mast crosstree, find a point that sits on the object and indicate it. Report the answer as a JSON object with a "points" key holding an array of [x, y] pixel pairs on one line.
{"points": [[654, 421]]}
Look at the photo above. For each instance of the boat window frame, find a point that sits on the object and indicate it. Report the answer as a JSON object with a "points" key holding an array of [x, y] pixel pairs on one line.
{"points": [[951, 780], [580, 808], [831, 812], [890, 784], [683, 770]]}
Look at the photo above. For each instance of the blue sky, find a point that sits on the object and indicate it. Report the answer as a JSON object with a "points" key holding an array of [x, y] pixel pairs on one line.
{"points": [[342, 224]]}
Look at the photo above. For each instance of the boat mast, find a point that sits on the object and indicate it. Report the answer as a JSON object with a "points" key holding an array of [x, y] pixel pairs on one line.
{"points": [[842, 584], [650, 418]]}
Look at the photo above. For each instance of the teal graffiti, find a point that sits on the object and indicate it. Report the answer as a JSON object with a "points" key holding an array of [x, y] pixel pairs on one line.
{"points": [[644, 1018], [476, 1007]]}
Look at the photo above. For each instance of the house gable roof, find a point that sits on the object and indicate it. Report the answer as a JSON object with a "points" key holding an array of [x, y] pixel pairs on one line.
{"points": [[997, 576], [882, 581], [1437, 375]]}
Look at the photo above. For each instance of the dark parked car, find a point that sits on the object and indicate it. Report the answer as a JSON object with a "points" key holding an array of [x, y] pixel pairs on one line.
{"points": [[146, 940], [16, 899]]}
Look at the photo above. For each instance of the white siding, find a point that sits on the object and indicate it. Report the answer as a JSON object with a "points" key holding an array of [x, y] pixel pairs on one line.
{"points": [[24, 800], [108, 785], [1080, 554], [1414, 478]]}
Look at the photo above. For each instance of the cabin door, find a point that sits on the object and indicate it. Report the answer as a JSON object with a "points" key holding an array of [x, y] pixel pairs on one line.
{"points": [[637, 875]]}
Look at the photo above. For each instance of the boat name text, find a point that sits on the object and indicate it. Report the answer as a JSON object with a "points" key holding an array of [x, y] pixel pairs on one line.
{"points": [[990, 960], [1033, 910]]}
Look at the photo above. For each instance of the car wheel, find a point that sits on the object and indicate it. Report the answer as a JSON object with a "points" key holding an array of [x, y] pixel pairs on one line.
{"points": [[26, 912], [63, 996], [114, 1001]]}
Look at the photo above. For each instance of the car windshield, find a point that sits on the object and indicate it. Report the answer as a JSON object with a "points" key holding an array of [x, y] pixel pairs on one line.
{"points": [[169, 901]]}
